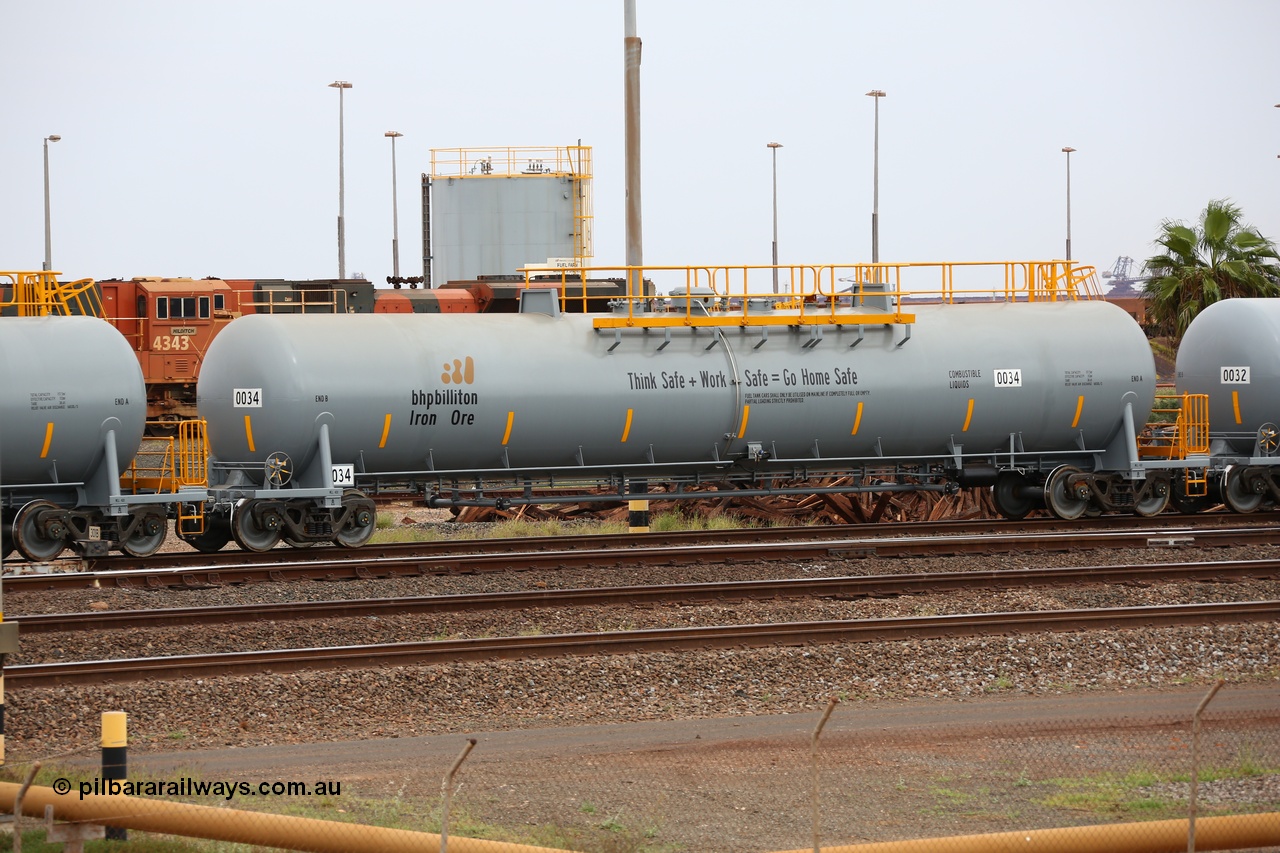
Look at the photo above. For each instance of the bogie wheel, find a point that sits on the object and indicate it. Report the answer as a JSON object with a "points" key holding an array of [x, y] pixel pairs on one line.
{"points": [[1064, 500], [38, 539], [212, 539], [147, 536], [1009, 497], [1156, 499], [362, 519], [1189, 504], [1237, 494], [253, 534]]}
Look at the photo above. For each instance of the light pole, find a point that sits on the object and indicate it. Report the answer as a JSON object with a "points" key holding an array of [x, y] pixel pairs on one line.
{"points": [[340, 85], [775, 146], [877, 94], [48, 239], [1068, 151], [395, 209]]}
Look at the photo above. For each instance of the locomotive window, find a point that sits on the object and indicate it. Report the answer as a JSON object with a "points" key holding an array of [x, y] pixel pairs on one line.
{"points": [[219, 302], [162, 308], [204, 307], [180, 307]]}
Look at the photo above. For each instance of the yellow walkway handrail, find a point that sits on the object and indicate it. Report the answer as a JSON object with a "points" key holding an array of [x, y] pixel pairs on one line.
{"points": [[38, 293], [749, 295]]}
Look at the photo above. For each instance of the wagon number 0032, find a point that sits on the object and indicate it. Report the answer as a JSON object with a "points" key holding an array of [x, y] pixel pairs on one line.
{"points": [[1235, 376]]}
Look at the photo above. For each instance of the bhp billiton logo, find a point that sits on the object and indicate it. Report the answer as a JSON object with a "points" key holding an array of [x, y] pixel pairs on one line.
{"points": [[461, 372]]}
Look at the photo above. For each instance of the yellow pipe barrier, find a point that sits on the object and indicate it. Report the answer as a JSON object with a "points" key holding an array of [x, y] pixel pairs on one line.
{"points": [[1237, 832], [256, 828]]}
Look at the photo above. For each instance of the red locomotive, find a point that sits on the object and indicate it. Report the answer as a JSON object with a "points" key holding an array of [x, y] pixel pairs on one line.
{"points": [[170, 322]]}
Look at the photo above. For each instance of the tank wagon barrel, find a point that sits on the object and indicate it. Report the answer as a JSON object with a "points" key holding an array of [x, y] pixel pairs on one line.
{"points": [[1036, 393], [1230, 353], [72, 414], [858, 375]]}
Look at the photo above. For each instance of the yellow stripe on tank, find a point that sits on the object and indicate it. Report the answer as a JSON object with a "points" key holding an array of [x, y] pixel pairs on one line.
{"points": [[386, 430], [1079, 409], [626, 430], [1235, 404], [857, 420], [506, 436], [968, 417], [742, 426], [248, 432], [49, 439]]}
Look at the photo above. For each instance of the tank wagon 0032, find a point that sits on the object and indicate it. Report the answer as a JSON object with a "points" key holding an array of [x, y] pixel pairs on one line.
{"points": [[1229, 353], [72, 413], [1029, 390]]}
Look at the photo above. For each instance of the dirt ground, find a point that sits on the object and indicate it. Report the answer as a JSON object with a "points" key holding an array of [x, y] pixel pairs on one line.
{"points": [[885, 771]]}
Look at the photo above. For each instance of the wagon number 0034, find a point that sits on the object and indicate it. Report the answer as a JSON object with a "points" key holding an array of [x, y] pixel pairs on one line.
{"points": [[1008, 377], [246, 398]]}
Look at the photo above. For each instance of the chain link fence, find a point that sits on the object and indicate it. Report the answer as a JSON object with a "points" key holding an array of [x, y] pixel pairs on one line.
{"points": [[1123, 782]]}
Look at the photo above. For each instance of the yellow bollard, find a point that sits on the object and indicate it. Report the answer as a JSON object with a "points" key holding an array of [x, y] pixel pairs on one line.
{"points": [[115, 758]]}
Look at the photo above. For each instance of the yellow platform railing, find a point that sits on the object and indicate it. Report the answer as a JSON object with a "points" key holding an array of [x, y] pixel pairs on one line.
{"points": [[820, 294], [1179, 427], [166, 464]]}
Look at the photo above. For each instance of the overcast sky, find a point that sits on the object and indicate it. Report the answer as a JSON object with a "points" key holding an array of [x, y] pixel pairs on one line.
{"points": [[202, 140]]}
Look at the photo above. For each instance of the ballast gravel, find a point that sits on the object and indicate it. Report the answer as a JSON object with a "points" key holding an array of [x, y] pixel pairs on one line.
{"points": [[281, 708]]}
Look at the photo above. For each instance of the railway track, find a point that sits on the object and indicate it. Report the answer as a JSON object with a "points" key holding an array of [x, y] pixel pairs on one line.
{"points": [[590, 552], [1178, 524], [622, 642], [870, 586]]}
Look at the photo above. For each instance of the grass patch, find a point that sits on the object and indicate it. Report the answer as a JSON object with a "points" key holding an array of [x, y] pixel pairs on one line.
{"points": [[392, 535], [33, 841], [1114, 796], [1136, 795], [670, 521], [603, 833]]}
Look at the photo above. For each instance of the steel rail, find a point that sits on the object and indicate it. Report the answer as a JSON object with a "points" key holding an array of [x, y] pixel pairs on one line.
{"points": [[867, 586], [369, 566], [647, 641], [455, 547]]}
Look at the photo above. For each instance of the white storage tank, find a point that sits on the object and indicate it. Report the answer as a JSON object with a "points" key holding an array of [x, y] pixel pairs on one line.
{"points": [[493, 211]]}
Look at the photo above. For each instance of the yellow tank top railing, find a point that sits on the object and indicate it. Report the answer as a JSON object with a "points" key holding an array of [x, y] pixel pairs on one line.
{"points": [[39, 294], [833, 294]]}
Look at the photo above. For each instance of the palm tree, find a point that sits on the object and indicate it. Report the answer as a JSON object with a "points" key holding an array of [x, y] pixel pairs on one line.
{"points": [[1221, 258]]}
